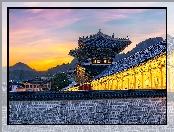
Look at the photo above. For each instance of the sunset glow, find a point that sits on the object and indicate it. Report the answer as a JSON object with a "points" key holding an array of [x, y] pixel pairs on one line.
{"points": [[42, 38]]}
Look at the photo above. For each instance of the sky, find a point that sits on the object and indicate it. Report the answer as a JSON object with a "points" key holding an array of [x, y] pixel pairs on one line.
{"points": [[43, 38]]}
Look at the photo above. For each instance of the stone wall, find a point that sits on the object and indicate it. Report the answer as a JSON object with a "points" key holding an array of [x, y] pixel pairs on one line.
{"points": [[105, 111], [86, 95]]}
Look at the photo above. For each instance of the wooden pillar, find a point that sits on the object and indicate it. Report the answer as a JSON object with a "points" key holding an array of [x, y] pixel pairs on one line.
{"points": [[108, 85], [161, 77], [150, 79], [90, 86], [97, 83], [164, 77], [116, 86], [128, 83], [134, 81], [142, 80], [107, 88], [101, 84], [104, 85], [83, 86], [122, 83], [111, 83], [94, 86], [118, 83]]}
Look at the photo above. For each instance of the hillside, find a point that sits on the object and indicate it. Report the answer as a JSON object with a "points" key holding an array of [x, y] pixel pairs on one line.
{"points": [[21, 75], [21, 66], [63, 67], [21, 71]]}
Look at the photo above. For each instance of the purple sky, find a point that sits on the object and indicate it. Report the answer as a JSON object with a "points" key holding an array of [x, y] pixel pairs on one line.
{"points": [[44, 37]]}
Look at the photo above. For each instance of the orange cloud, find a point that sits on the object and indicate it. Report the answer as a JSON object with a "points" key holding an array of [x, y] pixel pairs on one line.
{"points": [[42, 57]]}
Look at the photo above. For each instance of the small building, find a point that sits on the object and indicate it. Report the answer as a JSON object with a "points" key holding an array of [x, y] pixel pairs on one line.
{"points": [[37, 84], [16, 87]]}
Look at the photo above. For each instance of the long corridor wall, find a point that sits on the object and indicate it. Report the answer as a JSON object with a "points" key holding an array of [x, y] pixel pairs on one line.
{"points": [[143, 70], [149, 75]]}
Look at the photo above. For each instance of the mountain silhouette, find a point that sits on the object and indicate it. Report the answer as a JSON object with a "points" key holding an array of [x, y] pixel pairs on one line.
{"points": [[21, 66], [21, 72], [63, 67]]}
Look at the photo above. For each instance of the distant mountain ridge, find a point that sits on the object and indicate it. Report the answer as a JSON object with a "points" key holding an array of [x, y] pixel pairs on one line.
{"points": [[63, 67], [21, 66], [20, 71]]}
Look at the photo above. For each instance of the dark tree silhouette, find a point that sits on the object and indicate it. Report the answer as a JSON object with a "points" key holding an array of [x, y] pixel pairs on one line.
{"points": [[60, 81]]}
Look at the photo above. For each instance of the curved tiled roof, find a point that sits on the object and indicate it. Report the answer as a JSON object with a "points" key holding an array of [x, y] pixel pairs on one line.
{"points": [[140, 46], [99, 45], [103, 41], [134, 59]]}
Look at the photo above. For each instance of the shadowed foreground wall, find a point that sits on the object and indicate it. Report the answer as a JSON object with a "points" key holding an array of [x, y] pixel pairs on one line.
{"points": [[111, 111]]}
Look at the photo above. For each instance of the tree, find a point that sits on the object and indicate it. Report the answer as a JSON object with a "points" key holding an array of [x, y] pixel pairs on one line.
{"points": [[60, 81]]}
